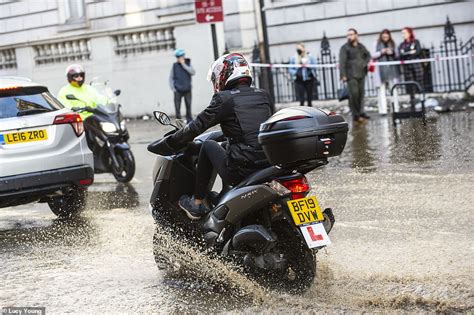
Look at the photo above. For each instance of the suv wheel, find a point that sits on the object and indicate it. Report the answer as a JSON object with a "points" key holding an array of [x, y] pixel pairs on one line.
{"points": [[69, 205]]}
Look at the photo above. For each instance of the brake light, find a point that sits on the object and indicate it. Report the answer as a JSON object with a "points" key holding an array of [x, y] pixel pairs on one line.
{"points": [[299, 187], [10, 88], [295, 118], [85, 182], [74, 119]]}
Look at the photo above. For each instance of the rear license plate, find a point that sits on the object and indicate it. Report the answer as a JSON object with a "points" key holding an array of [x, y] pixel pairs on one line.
{"points": [[24, 136], [305, 210]]}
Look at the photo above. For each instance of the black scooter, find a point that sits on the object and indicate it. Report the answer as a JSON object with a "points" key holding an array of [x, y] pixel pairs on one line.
{"points": [[266, 224], [107, 138]]}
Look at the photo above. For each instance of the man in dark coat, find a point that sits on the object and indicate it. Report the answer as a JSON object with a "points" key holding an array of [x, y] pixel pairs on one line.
{"points": [[353, 61]]}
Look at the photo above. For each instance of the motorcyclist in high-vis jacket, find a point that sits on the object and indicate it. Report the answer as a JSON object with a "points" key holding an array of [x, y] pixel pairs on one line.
{"points": [[239, 109], [85, 93]]}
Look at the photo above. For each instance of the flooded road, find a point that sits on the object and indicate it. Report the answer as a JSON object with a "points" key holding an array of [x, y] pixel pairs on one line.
{"points": [[404, 205]]}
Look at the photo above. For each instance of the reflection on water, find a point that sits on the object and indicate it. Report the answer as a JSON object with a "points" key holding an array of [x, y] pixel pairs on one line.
{"points": [[444, 143], [362, 152], [112, 195]]}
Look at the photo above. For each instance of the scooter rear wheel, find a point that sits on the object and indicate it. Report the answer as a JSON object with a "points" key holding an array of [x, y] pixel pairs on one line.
{"points": [[301, 271]]}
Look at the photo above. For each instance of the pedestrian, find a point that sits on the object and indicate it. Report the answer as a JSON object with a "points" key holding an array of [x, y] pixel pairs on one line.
{"points": [[304, 77], [353, 62], [410, 49], [180, 83], [384, 49]]}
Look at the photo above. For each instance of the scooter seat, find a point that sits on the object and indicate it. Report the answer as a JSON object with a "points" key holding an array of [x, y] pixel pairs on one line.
{"points": [[262, 176]]}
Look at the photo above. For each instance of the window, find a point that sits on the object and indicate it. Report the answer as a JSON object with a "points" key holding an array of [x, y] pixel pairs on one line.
{"points": [[7, 58], [75, 11], [24, 104]]}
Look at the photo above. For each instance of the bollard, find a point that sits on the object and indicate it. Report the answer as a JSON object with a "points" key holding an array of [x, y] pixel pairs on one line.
{"points": [[382, 99]]}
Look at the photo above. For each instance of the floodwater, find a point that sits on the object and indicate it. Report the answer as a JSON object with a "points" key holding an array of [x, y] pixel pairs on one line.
{"points": [[404, 205]]}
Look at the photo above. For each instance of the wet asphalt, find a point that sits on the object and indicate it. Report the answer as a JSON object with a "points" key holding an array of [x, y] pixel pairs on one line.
{"points": [[404, 205]]}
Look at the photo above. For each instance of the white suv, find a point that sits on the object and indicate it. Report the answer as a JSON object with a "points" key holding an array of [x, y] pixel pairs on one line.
{"points": [[43, 151]]}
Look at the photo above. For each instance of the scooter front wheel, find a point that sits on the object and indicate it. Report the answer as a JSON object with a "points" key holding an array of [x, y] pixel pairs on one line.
{"points": [[126, 169]]}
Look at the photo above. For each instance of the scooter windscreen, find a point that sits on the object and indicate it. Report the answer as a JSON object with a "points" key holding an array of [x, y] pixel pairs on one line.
{"points": [[109, 109]]}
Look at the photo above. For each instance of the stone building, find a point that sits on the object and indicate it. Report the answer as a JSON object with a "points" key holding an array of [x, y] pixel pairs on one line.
{"points": [[290, 21], [131, 42]]}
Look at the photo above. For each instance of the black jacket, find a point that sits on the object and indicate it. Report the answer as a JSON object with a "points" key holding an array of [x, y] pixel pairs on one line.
{"points": [[353, 61], [410, 50], [239, 112]]}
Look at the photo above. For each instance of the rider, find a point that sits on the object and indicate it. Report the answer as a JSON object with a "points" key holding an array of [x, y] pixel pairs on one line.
{"points": [[239, 109], [86, 94]]}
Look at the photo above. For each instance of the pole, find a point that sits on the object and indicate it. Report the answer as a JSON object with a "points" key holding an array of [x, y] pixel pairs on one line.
{"points": [[214, 41], [266, 50]]}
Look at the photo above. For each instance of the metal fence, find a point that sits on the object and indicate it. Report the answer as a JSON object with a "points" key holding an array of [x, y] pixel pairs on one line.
{"points": [[442, 76]]}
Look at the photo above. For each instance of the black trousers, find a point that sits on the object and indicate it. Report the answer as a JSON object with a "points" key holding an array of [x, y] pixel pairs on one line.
{"points": [[187, 101], [304, 88], [356, 96], [88, 122], [213, 156]]}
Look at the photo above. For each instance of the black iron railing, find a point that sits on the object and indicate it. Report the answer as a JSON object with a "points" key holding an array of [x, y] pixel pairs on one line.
{"points": [[440, 76]]}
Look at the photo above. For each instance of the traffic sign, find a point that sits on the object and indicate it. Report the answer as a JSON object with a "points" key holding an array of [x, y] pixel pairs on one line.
{"points": [[209, 11]]}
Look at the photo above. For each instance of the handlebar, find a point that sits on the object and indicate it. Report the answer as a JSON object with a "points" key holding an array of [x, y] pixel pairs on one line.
{"points": [[162, 147]]}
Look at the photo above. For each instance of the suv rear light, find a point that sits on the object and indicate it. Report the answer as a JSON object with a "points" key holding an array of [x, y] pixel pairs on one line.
{"points": [[85, 182], [299, 187], [74, 119]]}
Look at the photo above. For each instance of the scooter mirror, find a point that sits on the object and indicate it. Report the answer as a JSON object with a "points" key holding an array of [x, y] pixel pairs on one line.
{"points": [[162, 118], [117, 92], [71, 97]]}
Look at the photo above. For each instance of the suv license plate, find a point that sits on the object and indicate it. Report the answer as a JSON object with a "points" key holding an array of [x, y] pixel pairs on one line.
{"points": [[23, 136], [305, 210]]}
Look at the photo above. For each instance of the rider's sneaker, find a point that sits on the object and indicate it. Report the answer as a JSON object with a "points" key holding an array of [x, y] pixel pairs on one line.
{"points": [[193, 211]]}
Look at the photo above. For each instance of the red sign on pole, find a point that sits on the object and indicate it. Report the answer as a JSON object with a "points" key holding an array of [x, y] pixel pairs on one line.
{"points": [[209, 11]]}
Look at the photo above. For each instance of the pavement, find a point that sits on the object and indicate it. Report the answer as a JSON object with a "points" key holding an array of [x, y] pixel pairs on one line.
{"points": [[404, 206]]}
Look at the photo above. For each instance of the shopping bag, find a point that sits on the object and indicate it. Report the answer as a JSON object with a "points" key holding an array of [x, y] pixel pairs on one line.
{"points": [[371, 66]]}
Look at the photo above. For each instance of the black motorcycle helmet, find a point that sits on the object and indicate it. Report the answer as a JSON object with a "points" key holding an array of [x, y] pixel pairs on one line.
{"points": [[75, 75]]}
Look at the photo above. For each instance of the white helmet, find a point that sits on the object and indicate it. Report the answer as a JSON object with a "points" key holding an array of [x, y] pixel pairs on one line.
{"points": [[227, 70], [72, 71]]}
